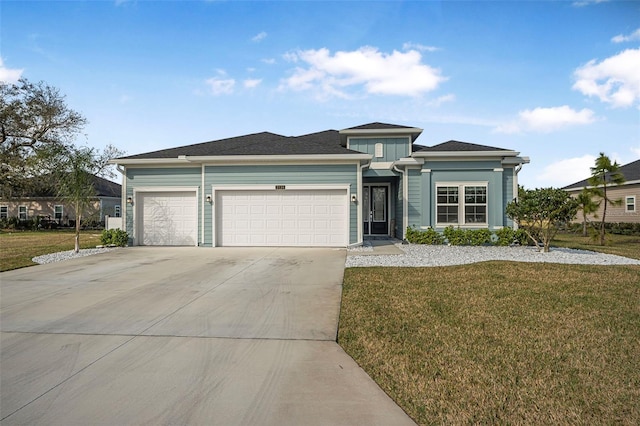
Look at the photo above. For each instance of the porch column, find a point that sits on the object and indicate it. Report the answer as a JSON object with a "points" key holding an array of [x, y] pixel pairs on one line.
{"points": [[425, 184]]}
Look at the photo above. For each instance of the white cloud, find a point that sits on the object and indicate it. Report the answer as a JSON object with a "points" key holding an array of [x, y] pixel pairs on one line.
{"points": [[221, 85], [545, 120], [624, 38], [615, 80], [567, 171], [8, 75], [259, 37], [420, 47], [397, 73], [442, 99], [252, 82], [581, 3], [269, 61]]}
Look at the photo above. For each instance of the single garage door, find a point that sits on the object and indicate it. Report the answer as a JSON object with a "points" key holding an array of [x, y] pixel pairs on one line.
{"points": [[317, 218], [168, 218]]}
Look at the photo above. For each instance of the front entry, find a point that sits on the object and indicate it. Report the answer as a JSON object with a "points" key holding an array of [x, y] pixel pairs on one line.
{"points": [[375, 210]]}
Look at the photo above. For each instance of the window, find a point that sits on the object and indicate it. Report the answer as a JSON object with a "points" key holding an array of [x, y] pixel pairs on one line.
{"points": [[57, 213], [4, 212], [379, 150], [116, 211], [22, 212], [630, 203], [451, 209], [447, 204]]}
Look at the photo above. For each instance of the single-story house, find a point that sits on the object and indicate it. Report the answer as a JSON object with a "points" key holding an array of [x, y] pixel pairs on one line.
{"points": [[331, 188], [629, 193], [46, 204]]}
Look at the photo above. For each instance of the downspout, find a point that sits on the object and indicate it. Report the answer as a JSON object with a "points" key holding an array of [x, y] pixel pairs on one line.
{"points": [[123, 199], [405, 201], [516, 170]]}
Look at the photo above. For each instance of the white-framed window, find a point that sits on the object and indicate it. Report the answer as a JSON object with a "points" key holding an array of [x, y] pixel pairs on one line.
{"points": [[461, 204], [4, 212], [22, 212], [379, 150], [57, 212], [116, 211], [630, 203]]}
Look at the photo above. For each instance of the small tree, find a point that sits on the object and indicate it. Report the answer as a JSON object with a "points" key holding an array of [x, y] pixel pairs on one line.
{"points": [[603, 175], [587, 206], [77, 170], [539, 212]]}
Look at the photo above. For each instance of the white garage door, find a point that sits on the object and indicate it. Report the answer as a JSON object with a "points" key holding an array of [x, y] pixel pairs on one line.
{"points": [[168, 218], [282, 218]]}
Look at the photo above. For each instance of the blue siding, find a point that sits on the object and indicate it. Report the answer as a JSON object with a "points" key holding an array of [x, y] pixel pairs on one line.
{"points": [[507, 191], [393, 148], [414, 197], [345, 174], [161, 177]]}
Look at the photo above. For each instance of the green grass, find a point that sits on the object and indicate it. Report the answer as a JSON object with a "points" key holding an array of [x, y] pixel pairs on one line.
{"points": [[499, 342], [17, 248], [622, 245]]}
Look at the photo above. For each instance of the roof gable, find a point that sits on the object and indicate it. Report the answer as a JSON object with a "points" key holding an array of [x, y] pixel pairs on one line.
{"points": [[631, 172], [378, 126], [456, 146]]}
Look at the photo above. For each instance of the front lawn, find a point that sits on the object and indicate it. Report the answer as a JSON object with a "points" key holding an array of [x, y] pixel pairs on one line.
{"points": [[17, 248], [622, 245], [499, 342]]}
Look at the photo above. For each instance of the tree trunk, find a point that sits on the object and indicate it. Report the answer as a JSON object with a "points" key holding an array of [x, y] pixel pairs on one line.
{"points": [[584, 224], [77, 237], [604, 215]]}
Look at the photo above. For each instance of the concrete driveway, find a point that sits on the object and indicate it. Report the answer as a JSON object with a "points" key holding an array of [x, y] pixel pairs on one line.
{"points": [[182, 336]]}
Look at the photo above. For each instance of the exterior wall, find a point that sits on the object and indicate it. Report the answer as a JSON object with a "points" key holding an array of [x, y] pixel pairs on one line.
{"points": [[44, 207], [616, 213], [393, 148], [414, 197], [282, 175], [107, 206], [499, 189], [161, 178], [508, 195]]}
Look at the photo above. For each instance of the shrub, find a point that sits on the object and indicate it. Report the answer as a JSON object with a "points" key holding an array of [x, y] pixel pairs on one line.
{"points": [[428, 236], [467, 237], [117, 237], [508, 236]]}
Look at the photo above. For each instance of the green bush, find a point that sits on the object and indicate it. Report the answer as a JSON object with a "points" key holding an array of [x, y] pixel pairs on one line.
{"points": [[117, 237], [467, 237], [508, 236], [428, 236]]}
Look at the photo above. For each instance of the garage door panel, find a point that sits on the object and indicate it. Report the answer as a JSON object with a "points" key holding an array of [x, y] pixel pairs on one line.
{"points": [[168, 218], [281, 218]]}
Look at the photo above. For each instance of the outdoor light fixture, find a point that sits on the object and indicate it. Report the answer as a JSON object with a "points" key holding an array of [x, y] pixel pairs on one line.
{"points": [[353, 198], [208, 198], [129, 200]]}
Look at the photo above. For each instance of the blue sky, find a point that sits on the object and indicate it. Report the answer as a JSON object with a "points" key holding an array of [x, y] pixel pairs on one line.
{"points": [[558, 81]]}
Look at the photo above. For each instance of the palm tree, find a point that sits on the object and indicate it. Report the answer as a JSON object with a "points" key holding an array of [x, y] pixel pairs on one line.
{"points": [[605, 174], [587, 206]]}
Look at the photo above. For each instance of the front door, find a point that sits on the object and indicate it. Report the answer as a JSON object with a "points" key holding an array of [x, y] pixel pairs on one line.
{"points": [[375, 206]]}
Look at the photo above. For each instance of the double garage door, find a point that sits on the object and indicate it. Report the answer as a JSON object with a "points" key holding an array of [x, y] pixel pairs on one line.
{"points": [[282, 218], [305, 217]]}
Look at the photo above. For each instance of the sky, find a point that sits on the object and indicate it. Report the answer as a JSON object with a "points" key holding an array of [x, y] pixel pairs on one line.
{"points": [[557, 81]]}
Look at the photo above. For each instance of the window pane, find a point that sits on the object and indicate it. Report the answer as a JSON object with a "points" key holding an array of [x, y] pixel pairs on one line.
{"points": [[447, 214], [475, 214]]}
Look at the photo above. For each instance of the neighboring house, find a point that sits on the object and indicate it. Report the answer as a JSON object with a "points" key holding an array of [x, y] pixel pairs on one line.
{"points": [[332, 188], [628, 193], [45, 204]]}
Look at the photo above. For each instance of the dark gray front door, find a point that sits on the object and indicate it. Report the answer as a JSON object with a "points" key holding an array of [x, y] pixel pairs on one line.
{"points": [[375, 210]]}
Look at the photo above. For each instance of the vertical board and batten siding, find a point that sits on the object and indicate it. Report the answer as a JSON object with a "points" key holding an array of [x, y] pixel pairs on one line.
{"points": [[161, 177], [315, 174], [414, 197], [507, 193], [393, 148], [473, 171]]}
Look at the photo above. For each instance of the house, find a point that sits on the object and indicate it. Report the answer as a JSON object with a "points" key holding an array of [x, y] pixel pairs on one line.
{"points": [[331, 188], [629, 193], [45, 204]]}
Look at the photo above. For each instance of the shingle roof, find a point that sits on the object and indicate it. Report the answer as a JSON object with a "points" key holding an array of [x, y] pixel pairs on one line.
{"points": [[376, 126], [456, 146], [630, 171], [46, 186]]}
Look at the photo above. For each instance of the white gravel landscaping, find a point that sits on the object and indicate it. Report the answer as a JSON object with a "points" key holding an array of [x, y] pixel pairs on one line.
{"points": [[427, 255], [66, 255]]}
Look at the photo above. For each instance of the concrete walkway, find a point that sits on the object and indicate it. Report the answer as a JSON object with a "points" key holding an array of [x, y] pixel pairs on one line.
{"points": [[182, 336]]}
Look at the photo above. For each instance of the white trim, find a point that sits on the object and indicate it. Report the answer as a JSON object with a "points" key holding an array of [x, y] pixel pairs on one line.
{"points": [[287, 187], [465, 154], [499, 169], [381, 165], [387, 208], [359, 218], [635, 206], [193, 161], [202, 202], [409, 161], [425, 171], [145, 189], [26, 212], [405, 203]]}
